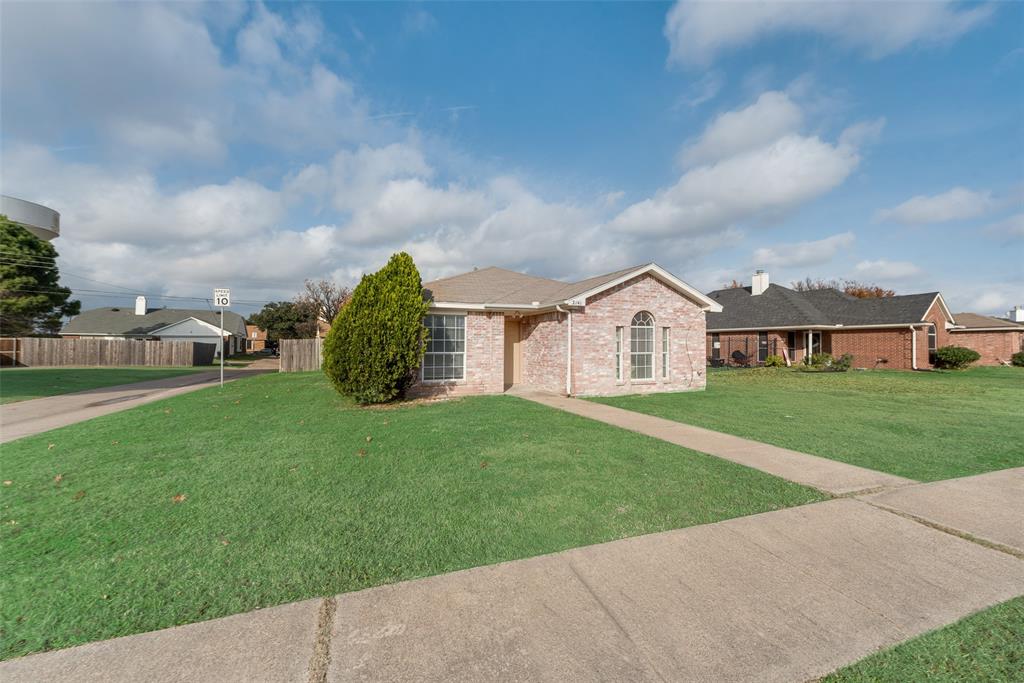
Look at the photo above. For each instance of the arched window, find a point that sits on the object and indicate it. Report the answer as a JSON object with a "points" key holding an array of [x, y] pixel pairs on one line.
{"points": [[641, 346]]}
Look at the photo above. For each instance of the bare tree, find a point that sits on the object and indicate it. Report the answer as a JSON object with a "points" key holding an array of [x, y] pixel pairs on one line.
{"points": [[321, 300], [861, 290]]}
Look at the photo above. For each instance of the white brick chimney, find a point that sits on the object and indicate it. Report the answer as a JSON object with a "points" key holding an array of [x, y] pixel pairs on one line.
{"points": [[1017, 314], [759, 283], [140, 305]]}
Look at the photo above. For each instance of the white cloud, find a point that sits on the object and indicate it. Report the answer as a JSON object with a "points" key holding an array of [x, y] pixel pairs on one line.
{"points": [[760, 184], [956, 204], [809, 253], [883, 269], [1009, 229], [862, 133], [697, 32], [771, 117]]}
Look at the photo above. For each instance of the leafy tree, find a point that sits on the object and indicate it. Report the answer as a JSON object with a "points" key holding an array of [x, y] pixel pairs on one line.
{"points": [[377, 340], [31, 298], [861, 290], [282, 320], [320, 301]]}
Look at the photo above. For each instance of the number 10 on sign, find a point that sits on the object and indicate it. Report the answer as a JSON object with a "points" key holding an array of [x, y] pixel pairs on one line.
{"points": [[222, 299]]}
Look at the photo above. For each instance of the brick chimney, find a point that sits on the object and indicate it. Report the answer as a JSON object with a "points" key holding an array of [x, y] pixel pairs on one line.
{"points": [[140, 305], [759, 283]]}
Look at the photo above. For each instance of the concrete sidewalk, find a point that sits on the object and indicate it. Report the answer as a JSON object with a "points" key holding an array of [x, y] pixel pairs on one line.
{"points": [[781, 596], [831, 476], [988, 507], [26, 418]]}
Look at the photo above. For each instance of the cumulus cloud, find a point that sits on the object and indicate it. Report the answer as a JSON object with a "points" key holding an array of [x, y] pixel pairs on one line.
{"points": [[772, 116], [809, 253], [956, 204], [698, 32], [759, 184], [884, 269]]}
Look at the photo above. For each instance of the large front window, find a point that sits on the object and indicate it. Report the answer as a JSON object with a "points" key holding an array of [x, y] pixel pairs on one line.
{"points": [[445, 357], [641, 346]]}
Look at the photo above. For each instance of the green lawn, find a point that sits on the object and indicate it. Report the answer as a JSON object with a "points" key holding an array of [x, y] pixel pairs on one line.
{"points": [[988, 646], [21, 384], [285, 491], [922, 425]]}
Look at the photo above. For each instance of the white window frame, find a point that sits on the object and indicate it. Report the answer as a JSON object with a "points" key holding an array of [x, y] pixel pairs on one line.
{"points": [[666, 351], [642, 323], [618, 354], [457, 353]]}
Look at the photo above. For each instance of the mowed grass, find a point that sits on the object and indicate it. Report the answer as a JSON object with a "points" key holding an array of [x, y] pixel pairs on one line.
{"points": [[22, 384], [987, 646], [276, 489], [922, 425]]}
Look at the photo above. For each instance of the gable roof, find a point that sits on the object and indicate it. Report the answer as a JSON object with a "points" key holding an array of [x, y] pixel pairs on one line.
{"points": [[499, 288], [974, 321], [123, 321], [779, 307]]}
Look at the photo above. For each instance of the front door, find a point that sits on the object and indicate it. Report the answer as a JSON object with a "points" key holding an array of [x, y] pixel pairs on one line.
{"points": [[513, 353]]}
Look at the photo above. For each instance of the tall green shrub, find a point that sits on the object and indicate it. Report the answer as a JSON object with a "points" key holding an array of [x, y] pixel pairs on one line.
{"points": [[376, 341]]}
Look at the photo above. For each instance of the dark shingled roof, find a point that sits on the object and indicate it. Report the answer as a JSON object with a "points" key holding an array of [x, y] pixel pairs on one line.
{"points": [[124, 322], [780, 306]]}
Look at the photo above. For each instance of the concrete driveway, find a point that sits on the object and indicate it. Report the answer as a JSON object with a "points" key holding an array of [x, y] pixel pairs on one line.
{"points": [[26, 418]]}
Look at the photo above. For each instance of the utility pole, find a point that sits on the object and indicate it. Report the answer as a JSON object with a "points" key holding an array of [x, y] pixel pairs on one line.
{"points": [[222, 299]]}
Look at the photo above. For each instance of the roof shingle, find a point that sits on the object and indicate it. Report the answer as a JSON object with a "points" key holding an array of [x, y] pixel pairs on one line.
{"points": [[123, 321]]}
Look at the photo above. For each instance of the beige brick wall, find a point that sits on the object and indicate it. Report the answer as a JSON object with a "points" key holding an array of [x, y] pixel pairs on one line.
{"points": [[543, 339], [594, 339], [485, 354]]}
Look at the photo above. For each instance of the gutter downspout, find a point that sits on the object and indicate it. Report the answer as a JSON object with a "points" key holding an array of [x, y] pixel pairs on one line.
{"points": [[568, 352], [913, 348]]}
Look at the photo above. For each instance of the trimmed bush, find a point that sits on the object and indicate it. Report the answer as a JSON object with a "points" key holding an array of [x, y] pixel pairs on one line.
{"points": [[820, 360], [775, 361], [843, 363], [376, 342], [955, 357], [1018, 359]]}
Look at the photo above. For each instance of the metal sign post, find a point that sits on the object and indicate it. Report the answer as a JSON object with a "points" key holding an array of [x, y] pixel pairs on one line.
{"points": [[222, 299]]}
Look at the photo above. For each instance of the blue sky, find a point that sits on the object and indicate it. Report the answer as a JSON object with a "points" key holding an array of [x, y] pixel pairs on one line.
{"points": [[254, 145]]}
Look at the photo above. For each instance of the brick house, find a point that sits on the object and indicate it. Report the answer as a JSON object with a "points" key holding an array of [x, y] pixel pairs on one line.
{"points": [[255, 338], [996, 339], [898, 332], [640, 329]]}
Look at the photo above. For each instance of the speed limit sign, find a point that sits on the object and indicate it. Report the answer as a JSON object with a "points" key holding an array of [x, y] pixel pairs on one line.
{"points": [[222, 297]]}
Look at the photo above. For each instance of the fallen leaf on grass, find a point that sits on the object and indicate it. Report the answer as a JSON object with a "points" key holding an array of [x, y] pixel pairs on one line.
{"points": [[50, 447], [167, 411], [8, 482], [361, 453], [114, 443], [78, 496], [225, 541], [483, 464], [180, 498], [58, 479]]}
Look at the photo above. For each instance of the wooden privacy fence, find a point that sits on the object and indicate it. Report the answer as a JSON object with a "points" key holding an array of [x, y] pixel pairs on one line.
{"points": [[89, 352], [301, 355]]}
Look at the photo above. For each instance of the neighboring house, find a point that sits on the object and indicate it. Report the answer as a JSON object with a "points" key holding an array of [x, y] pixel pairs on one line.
{"points": [[899, 332], [172, 324], [996, 339], [255, 338], [635, 330]]}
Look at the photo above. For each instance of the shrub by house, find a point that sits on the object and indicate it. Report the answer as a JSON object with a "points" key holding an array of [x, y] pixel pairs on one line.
{"points": [[955, 357], [377, 339]]}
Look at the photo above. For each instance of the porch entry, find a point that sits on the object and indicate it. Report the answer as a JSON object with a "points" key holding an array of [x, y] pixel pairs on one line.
{"points": [[513, 353]]}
